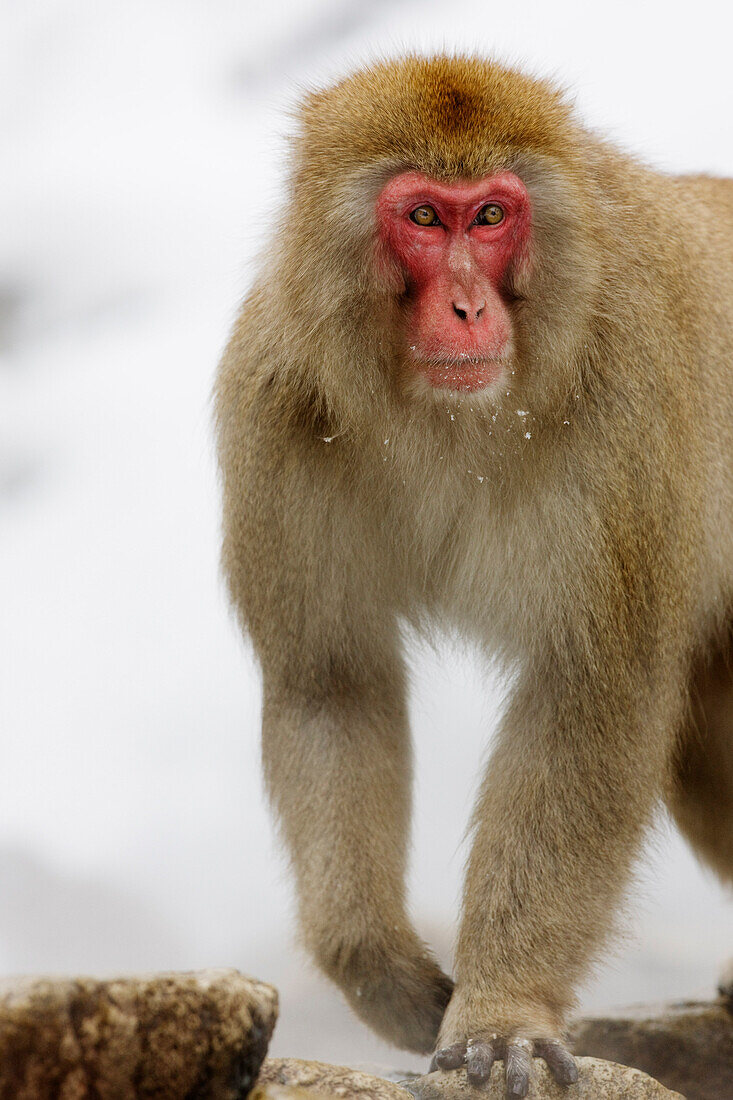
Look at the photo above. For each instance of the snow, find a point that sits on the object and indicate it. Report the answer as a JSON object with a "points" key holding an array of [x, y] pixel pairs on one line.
{"points": [[143, 151]]}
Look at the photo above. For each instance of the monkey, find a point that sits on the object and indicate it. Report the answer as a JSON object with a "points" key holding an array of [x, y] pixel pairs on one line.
{"points": [[483, 383]]}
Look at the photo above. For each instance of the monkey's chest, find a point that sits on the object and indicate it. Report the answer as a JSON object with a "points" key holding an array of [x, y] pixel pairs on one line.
{"points": [[487, 571]]}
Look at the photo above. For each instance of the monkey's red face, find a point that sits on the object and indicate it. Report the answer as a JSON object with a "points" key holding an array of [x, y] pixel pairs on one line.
{"points": [[454, 244]]}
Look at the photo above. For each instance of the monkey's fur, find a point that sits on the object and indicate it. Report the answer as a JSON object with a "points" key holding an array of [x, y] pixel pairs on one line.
{"points": [[587, 543]]}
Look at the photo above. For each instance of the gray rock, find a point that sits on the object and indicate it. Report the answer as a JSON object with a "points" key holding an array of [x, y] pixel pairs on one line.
{"points": [[200, 1035], [688, 1047]]}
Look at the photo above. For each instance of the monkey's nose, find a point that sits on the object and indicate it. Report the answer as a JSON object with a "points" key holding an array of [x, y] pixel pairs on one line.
{"points": [[468, 313]]}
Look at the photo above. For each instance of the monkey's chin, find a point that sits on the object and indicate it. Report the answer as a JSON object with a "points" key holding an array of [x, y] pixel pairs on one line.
{"points": [[463, 374]]}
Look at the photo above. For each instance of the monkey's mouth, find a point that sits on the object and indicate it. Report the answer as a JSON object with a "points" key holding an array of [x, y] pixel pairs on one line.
{"points": [[460, 372]]}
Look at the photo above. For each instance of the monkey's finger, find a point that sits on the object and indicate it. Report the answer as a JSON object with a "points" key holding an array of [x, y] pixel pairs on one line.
{"points": [[560, 1061], [518, 1067], [480, 1058], [449, 1057]]}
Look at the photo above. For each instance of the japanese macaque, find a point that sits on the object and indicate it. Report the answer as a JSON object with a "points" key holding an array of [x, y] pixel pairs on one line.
{"points": [[484, 382]]}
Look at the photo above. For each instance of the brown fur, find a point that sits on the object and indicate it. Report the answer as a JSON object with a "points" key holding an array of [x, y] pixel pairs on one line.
{"points": [[595, 557]]}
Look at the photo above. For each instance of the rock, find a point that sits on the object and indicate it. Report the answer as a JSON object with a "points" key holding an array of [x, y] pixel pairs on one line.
{"points": [[688, 1047], [199, 1036], [281, 1092], [598, 1081], [327, 1080]]}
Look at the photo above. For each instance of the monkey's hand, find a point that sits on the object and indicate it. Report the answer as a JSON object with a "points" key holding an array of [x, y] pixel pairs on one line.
{"points": [[478, 1056]]}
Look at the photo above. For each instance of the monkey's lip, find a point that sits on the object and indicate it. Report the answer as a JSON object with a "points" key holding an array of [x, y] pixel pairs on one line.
{"points": [[460, 373]]}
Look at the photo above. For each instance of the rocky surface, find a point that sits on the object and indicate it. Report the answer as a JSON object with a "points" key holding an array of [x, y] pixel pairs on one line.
{"points": [[274, 1091], [327, 1080], [598, 1081], [200, 1036], [204, 1035], [688, 1047]]}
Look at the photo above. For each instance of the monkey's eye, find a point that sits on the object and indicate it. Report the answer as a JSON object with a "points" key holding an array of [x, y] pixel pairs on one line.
{"points": [[424, 215], [491, 214]]}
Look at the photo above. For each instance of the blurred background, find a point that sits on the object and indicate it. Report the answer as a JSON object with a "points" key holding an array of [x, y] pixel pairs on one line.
{"points": [[143, 151]]}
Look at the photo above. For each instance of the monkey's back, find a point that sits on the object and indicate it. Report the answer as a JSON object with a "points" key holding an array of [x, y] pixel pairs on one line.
{"points": [[706, 203], [712, 196]]}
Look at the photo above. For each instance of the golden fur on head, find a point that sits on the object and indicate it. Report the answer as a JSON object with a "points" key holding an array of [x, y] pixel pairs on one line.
{"points": [[452, 117], [577, 522]]}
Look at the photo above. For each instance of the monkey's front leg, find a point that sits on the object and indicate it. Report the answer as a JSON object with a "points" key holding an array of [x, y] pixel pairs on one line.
{"points": [[337, 761], [560, 817]]}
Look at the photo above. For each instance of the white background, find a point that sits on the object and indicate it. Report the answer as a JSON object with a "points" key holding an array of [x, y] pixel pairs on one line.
{"points": [[142, 151]]}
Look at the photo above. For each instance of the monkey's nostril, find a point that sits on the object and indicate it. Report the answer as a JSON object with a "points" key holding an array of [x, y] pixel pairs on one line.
{"points": [[468, 313]]}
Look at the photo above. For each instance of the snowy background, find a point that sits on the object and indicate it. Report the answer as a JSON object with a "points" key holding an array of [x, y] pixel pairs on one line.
{"points": [[142, 152]]}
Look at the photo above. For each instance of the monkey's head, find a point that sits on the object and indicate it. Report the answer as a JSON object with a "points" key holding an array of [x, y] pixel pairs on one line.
{"points": [[443, 247]]}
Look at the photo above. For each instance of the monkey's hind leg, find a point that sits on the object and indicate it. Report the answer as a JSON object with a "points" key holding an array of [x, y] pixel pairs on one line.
{"points": [[701, 799]]}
